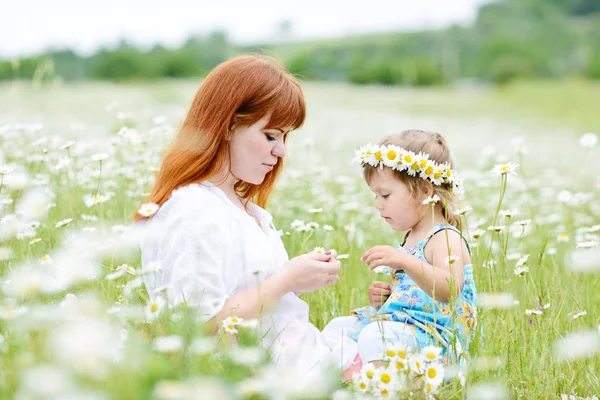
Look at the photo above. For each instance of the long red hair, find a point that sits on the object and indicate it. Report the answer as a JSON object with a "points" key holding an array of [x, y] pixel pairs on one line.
{"points": [[238, 92]]}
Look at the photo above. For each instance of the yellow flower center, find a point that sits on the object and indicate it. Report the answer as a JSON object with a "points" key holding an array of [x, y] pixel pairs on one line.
{"points": [[390, 353], [431, 373], [386, 378], [429, 170], [370, 374], [400, 365], [402, 354], [423, 163], [448, 173], [45, 258], [391, 154], [431, 356], [153, 307], [378, 156], [415, 166], [363, 386], [384, 393], [437, 174], [235, 320], [408, 159]]}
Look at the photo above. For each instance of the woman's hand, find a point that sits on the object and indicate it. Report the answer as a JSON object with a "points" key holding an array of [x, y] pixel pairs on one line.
{"points": [[379, 293], [383, 255], [310, 272]]}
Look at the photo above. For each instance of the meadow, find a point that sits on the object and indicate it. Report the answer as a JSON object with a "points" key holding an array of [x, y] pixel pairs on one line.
{"points": [[76, 162]]}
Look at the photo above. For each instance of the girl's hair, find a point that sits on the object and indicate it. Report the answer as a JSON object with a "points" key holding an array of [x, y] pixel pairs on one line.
{"points": [[431, 143], [238, 92]]}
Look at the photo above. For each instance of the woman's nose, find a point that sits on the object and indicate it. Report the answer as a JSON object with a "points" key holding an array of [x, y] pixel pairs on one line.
{"points": [[279, 149], [379, 204]]}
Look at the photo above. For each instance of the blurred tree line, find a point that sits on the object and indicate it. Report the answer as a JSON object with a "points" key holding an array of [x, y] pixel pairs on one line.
{"points": [[510, 39]]}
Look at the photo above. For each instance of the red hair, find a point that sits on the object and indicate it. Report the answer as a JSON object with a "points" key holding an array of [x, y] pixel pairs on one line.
{"points": [[238, 92]]}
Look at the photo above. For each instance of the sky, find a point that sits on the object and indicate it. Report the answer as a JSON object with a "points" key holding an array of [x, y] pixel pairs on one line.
{"points": [[32, 26]]}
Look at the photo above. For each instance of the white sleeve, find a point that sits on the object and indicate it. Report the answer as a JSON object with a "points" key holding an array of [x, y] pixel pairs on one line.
{"points": [[192, 255]]}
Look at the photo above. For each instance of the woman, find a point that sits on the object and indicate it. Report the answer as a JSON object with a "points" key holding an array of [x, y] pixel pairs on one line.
{"points": [[215, 243]]}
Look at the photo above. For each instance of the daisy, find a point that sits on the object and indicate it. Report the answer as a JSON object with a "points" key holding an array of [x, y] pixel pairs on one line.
{"points": [[431, 200], [396, 351], [434, 373], [431, 353], [315, 210], [6, 169], [496, 228], [343, 256], [319, 250], [369, 371], [523, 261], [361, 383], [168, 344], [438, 176], [505, 169], [521, 271], [533, 312], [155, 308], [328, 228], [428, 170], [588, 140], [417, 364], [67, 145], [36, 240], [148, 209], [477, 233], [391, 156], [508, 213], [463, 211], [64, 222], [99, 157], [45, 259]]}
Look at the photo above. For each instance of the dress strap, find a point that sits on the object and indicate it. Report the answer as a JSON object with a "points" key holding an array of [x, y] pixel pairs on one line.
{"points": [[441, 227]]}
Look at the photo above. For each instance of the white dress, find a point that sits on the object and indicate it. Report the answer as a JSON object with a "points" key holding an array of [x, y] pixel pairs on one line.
{"points": [[208, 250]]}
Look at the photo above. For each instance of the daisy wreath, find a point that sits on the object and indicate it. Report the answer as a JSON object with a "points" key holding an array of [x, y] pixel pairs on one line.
{"points": [[405, 160]]}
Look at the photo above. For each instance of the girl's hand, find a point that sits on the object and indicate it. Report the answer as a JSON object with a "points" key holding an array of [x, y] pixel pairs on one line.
{"points": [[379, 293], [383, 255]]}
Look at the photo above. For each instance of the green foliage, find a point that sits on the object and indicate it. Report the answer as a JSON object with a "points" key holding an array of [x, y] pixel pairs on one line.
{"points": [[510, 39]]}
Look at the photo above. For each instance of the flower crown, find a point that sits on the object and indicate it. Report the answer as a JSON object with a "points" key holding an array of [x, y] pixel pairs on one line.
{"points": [[405, 160]]}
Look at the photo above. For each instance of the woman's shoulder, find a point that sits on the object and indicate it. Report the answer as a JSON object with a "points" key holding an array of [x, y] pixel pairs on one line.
{"points": [[194, 200]]}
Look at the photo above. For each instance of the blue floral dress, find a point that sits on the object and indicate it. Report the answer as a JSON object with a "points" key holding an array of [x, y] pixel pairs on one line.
{"points": [[446, 325]]}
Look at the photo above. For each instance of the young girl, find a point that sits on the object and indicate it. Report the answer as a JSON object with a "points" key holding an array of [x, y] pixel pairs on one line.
{"points": [[432, 298]]}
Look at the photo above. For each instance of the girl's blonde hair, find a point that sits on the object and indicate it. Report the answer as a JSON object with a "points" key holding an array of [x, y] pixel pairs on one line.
{"points": [[433, 144]]}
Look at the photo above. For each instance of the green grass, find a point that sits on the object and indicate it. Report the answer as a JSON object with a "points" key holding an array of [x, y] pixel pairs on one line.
{"points": [[521, 347]]}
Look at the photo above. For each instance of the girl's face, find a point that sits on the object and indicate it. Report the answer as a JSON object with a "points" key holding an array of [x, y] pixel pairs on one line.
{"points": [[393, 200], [255, 151]]}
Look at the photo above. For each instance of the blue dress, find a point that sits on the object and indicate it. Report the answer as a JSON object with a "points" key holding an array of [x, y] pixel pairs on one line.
{"points": [[446, 325]]}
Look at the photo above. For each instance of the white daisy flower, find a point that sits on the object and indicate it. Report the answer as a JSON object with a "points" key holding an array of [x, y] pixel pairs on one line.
{"points": [[428, 171], [369, 371], [431, 353], [505, 169], [390, 156], [523, 261], [319, 250], [476, 234], [386, 378], [396, 351], [523, 222], [496, 228], [155, 308], [463, 211], [417, 364], [46, 259], [342, 256], [521, 271], [438, 176], [62, 223], [99, 157], [588, 140], [168, 344], [6, 169], [148, 209], [434, 373], [431, 200], [67, 145], [315, 210], [533, 312], [373, 155], [327, 228], [361, 383], [508, 213]]}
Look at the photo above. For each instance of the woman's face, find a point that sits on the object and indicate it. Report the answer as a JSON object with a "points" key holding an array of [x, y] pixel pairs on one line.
{"points": [[255, 151]]}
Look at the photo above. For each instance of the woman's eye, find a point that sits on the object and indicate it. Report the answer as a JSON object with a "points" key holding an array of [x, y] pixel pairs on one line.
{"points": [[270, 138], [385, 196]]}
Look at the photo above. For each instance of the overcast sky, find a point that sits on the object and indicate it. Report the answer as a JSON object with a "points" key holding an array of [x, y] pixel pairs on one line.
{"points": [[30, 26]]}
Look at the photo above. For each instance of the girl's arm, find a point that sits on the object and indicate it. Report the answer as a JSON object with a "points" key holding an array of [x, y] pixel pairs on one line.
{"points": [[442, 277]]}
